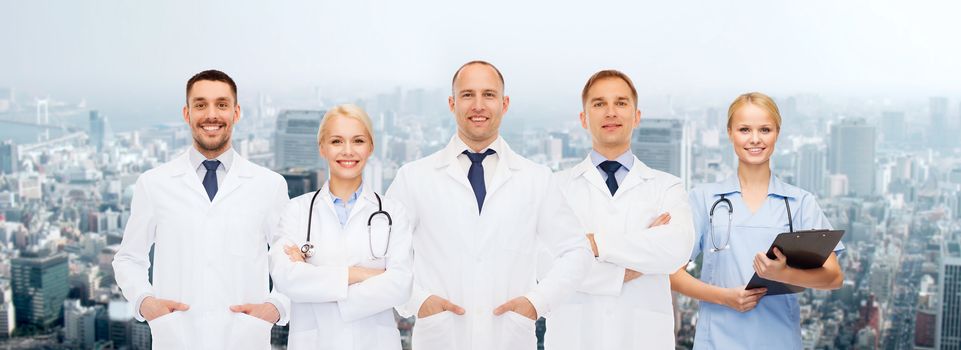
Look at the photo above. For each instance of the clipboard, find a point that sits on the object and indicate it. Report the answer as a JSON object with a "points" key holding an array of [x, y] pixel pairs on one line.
{"points": [[804, 250]]}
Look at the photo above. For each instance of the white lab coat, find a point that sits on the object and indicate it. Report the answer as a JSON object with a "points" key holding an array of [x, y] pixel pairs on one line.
{"points": [[482, 261], [326, 313], [208, 255], [607, 313]]}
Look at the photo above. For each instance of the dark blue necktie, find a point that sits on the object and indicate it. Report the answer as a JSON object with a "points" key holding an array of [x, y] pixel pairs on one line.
{"points": [[476, 176], [210, 180], [610, 167]]}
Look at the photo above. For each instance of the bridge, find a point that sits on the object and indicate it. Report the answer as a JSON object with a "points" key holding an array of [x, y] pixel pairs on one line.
{"points": [[40, 126]]}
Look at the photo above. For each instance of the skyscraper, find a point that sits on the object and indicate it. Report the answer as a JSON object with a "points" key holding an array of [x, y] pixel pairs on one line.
{"points": [[79, 324], [120, 324], [662, 144], [852, 154], [713, 116], [99, 131], [296, 139], [810, 168], [40, 285], [301, 181], [939, 133], [9, 157], [948, 334], [892, 126], [8, 319]]}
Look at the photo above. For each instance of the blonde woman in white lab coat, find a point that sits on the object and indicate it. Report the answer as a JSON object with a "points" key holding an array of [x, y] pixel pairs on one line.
{"points": [[343, 281]]}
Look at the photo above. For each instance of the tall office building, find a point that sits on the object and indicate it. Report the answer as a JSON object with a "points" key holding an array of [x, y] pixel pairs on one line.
{"points": [[120, 323], [8, 320], [663, 144], [40, 285], [79, 324], [948, 336], [9, 157], [852, 154], [99, 130], [810, 168], [301, 181], [925, 326], [296, 139], [567, 150], [140, 337], [940, 131], [892, 127], [713, 118]]}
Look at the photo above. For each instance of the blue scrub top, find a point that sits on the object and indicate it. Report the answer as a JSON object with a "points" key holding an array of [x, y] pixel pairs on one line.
{"points": [[776, 321]]}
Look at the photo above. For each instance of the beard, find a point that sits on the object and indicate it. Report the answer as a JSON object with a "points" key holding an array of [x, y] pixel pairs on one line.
{"points": [[212, 145]]}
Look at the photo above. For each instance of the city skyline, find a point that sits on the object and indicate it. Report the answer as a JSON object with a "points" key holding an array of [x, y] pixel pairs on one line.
{"points": [[91, 97]]}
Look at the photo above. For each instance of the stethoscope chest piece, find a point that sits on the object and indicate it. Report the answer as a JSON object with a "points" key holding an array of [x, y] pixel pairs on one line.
{"points": [[307, 249]]}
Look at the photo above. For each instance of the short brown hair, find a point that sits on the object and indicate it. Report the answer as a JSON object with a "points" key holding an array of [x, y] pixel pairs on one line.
{"points": [[608, 74], [212, 75], [757, 99], [454, 79]]}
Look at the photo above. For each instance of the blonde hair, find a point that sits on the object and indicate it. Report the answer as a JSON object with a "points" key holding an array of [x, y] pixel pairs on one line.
{"points": [[757, 99], [347, 111]]}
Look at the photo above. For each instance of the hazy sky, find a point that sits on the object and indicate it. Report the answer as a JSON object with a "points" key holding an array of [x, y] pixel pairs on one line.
{"points": [[138, 52]]}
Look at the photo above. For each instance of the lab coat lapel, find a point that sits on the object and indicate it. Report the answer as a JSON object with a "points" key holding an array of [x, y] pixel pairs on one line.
{"points": [[236, 177], [366, 199], [448, 160], [636, 176], [454, 171], [188, 176], [502, 173], [587, 169]]}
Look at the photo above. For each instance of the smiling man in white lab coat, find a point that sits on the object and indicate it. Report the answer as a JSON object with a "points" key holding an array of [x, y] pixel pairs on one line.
{"points": [[477, 210], [640, 229], [208, 215]]}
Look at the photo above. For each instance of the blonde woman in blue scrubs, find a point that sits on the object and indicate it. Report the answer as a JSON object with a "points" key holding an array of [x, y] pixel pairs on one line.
{"points": [[757, 203]]}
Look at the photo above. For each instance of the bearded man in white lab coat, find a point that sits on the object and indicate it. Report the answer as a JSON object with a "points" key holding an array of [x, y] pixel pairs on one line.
{"points": [[477, 210], [640, 229], [208, 215]]}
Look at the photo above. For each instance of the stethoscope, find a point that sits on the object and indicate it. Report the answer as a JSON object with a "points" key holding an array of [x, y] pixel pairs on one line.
{"points": [[308, 248], [730, 218]]}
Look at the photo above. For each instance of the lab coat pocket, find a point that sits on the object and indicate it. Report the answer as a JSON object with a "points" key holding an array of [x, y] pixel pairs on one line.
{"points": [[653, 330], [518, 331], [434, 332], [248, 332], [167, 331]]}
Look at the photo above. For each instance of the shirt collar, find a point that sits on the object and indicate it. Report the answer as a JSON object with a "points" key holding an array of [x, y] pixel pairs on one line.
{"points": [[775, 186], [459, 146], [226, 159], [353, 197], [626, 159]]}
